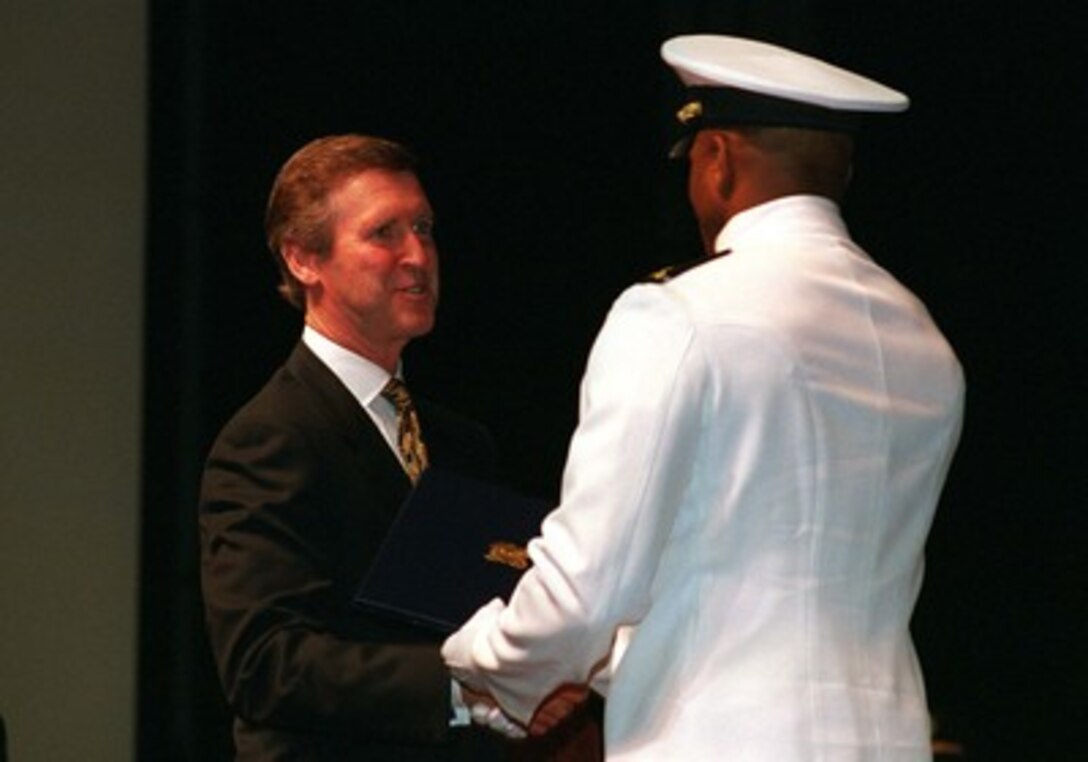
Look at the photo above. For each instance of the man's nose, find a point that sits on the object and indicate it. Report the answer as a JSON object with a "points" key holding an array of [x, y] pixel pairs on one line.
{"points": [[417, 248]]}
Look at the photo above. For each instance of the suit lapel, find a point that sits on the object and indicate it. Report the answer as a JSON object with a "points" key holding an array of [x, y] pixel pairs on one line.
{"points": [[342, 413]]}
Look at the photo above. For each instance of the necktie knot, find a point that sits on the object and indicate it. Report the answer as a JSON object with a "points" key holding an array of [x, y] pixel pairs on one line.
{"points": [[396, 392], [413, 451]]}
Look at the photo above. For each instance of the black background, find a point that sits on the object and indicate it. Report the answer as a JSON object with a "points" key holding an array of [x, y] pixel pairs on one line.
{"points": [[542, 127]]}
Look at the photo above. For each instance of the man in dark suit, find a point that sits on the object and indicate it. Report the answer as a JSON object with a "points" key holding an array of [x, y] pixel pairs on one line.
{"points": [[302, 484]]}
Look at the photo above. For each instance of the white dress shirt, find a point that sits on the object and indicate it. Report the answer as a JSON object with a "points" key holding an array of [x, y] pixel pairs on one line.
{"points": [[761, 446]]}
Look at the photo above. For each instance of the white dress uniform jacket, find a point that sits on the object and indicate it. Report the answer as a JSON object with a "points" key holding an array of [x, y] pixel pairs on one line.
{"points": [[762, 443]]}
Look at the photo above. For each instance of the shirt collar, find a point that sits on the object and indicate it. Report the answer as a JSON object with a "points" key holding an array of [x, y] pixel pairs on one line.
{"points": [[363, 378]]}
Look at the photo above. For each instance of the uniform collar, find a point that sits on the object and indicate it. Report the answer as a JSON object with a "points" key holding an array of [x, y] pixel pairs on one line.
{"points": [[787, 215]]}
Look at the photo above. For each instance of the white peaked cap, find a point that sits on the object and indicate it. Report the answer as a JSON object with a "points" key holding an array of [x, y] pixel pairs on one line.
{"points": [[770, 70], [732, 81]]}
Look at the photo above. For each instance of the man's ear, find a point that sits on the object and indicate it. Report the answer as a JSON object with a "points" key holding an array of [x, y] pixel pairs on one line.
{"points": [[301, 262], [723, 158]]}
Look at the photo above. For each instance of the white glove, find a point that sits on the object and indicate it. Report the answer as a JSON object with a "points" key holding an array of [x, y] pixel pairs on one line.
{"points": [[492, 717], [457, 650]]}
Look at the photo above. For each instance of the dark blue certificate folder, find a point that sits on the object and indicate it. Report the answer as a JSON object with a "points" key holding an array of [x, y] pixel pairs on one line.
{"points": [[457, 543]]}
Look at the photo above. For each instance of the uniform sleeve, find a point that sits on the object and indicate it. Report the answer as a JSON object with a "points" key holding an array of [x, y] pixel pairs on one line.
{"points": [[595, 562], [268, 582]]}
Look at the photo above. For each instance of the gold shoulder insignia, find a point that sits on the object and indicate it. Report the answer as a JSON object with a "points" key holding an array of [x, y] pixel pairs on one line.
{"points": [[665, 274], [661, 275]]}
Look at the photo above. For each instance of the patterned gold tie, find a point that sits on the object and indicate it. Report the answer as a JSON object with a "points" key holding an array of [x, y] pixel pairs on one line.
{"points": [[409, 436]]}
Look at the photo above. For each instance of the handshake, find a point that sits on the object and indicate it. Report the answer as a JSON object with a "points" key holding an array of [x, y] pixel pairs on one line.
{"points": [[526, 714], [485, 711]]}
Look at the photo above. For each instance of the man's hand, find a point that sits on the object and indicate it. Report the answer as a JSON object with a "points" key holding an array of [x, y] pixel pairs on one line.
{"points": [[557, 707]]}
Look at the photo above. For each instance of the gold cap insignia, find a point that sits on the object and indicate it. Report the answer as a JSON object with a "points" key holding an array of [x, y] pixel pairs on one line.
{"points": [[689, 111], [509, 554]]}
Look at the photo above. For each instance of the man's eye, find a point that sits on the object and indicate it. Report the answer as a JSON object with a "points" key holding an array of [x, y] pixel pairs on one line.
{"points": [[423, 228], [383, 233]]}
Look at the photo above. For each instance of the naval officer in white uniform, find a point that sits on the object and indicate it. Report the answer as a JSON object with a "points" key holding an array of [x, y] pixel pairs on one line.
{"points": [[762, 442]]}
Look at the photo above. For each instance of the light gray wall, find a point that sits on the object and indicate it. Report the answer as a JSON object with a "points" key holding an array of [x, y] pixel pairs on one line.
{"points": [[72, 135]]}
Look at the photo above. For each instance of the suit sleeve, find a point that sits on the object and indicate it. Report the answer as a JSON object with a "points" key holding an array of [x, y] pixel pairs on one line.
{"points": [[595, 562], [273, 592]]}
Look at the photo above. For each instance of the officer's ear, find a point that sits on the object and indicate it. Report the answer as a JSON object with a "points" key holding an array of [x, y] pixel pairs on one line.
{"points": [[722, 161]]}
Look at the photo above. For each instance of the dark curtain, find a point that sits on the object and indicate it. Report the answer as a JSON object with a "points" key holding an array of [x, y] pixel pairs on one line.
{"points": [[542, 127]]}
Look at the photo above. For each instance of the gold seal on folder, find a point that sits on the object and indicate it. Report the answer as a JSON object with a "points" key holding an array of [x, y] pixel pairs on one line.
{"points": [[508, 553]]}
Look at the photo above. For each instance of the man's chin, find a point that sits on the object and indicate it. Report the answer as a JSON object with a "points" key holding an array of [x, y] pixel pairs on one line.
{"points": [[418, 327]]}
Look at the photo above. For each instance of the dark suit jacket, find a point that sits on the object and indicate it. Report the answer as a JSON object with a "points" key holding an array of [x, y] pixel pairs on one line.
{"points": [[298, 492]]}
